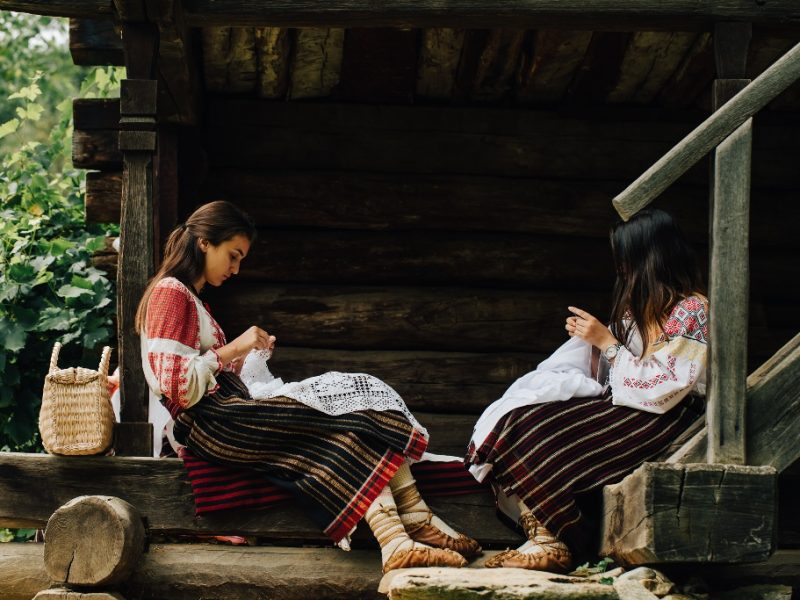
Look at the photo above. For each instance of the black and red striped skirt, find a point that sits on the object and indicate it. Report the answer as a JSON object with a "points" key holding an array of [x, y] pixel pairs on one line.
{"points": [[547, 454]]}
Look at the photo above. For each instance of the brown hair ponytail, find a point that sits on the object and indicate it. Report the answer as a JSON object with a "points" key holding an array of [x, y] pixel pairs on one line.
{"points": [[216, 222]]}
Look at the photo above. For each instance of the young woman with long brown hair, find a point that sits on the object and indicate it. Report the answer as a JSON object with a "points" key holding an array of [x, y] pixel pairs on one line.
{"points": [[606, 401], [340, 443]]}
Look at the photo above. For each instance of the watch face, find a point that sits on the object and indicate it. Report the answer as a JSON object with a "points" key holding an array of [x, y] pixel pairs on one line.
{"points": [[611, 351]]}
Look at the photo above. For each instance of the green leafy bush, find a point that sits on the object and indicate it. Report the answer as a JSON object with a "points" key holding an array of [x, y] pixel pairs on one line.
{"points": [[48, 289]]}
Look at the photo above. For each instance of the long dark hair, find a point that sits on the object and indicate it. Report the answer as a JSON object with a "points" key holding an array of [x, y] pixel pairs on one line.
{"points": [[216, 222], [656, 268]]}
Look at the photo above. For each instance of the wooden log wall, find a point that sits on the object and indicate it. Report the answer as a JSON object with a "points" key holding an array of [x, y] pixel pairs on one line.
{"points": [[439, 247]]}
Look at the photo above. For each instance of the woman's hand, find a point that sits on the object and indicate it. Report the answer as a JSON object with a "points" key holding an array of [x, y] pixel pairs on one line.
{"points": [[589, 329], [254, 338]]}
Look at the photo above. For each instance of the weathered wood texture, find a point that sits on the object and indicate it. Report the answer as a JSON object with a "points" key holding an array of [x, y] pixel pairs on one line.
{"points": [[510, 13], [773, 399], [95, 42], [457, 382], [397, 139], [468, 141], [665, 513], [395, 202], [693, 75], [61, 8], [68, 594], [229, 59], [709, 134], [549, 63], [22, 570], [93, 541], [773, 413], [782, 568], [440, 53], [729, 290], [650, 59], [424, 259], [138, 104], [376, 318], [180, 93], [191, 571], [436, 583], [33, 486], [273, 47], [316, 63]]}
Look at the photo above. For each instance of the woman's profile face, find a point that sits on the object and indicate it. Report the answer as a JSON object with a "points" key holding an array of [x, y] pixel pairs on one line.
{"points": [[224, 260]]}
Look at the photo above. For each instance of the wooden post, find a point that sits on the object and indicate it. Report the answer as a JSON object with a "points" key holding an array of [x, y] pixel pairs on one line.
{"points": [[137, 141], [729, 283]]}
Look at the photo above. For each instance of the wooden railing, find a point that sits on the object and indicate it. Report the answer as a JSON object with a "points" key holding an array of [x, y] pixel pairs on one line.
{"points": [[729, 130]]}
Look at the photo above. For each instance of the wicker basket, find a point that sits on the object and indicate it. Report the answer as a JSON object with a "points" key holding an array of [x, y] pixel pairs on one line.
{"points": [[76, 417]]}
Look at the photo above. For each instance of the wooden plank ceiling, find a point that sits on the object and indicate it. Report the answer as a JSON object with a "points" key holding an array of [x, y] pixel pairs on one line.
{"points": [[672, 70], [503, 67]]}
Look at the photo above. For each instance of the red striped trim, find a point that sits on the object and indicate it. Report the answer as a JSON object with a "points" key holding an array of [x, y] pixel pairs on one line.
{"points": [[218, 488], [356, 508]]}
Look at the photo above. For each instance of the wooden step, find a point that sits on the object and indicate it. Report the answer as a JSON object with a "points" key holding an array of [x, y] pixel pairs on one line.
{"points": [[33, 486]]}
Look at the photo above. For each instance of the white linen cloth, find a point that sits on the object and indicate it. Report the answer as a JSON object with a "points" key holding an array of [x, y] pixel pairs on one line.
{"points": [[563, 375], [675, 365]]}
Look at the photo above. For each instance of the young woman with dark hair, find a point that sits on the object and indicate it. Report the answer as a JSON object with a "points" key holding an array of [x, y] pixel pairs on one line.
{"points": [[340, 443], [605, 402]]}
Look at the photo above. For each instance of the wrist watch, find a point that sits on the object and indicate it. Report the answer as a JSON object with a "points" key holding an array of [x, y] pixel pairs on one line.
{"points": [[611, 352]]}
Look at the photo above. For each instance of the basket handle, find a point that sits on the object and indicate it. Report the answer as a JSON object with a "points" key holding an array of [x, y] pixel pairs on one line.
{"points": [[54, 357], [104, 360]]}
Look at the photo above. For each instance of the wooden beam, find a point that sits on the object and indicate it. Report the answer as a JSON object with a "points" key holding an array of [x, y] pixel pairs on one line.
{"points": [[33, 486], [187, 571], [729, 270], [776, 384], [273, 48], [528, 14], [179, 79], [773, 414], [650, 60], [664, 513], [95, 42], [549, 65], [498, 65], [229, 59], [371, 318], [62, 8], [438, 64], [692, 77], [452, 382], [317, 62], [709, 134], [479, 260]]}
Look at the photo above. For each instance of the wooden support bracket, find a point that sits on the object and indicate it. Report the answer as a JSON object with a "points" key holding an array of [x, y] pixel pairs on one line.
{"points": [[664, 513]]}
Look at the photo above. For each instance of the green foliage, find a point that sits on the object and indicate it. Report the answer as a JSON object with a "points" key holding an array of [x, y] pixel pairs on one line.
{"points": [[16, 535], [29, 43], [587, 569], [48, 289]]}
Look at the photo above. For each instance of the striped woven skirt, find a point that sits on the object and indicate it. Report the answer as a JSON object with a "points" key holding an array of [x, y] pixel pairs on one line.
{"points": [[334, 466], [546, 454]]}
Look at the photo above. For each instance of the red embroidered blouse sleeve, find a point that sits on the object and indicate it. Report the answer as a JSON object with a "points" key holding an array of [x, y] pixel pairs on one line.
{"points": [[173, 346]]}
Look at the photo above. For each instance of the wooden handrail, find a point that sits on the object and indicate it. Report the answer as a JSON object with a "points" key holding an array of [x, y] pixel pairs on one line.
{"points": [[706, 136]]}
